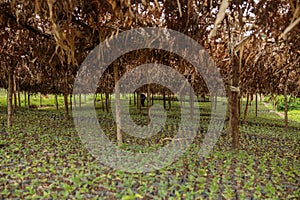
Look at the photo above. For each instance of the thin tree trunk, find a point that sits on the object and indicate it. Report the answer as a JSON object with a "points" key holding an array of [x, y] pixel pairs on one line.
{"points": [[256, 104], [106, 101], [148, 103], [229, 115], [216, 101], [71, 104], [79, 100], [75, 102], [15, 92], [118, 114], [240, 104], [234, 103], [164, 99], [28, 101], [25, 99], [139, 103], [41, 101], [95, 99], [286, 108], [246, 109], [169, 101], [181, 99], [134, 99], [191, 103], [102, 102], [67, 117], [9, 97], [19, 95], [260, 97], [56, 101]]}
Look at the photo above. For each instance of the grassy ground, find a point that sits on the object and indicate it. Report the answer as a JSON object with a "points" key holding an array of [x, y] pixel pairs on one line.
{"points": [[42, 156]]}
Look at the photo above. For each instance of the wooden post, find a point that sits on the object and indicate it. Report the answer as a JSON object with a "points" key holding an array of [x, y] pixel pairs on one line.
{"points": [[19, 95], [10, 95], [71, 105], [148, 103], [169, 100], [286, 108], [15, 91], [28, 100], [234, 102], [25, 99], [56, 101], [118, 114], [106, 101], [256, 104], [102, 102], [164, 99], [191, 103], [67, 117], [79, 100], [74, 100]]}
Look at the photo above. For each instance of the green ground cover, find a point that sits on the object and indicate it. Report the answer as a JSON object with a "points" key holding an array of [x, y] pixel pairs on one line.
{"points": [[42, 156]]}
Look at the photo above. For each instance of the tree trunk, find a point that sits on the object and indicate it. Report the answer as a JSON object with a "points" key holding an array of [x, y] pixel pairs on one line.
{"points": [[191, 103], [75, 102], [164, 99], [240, 104], [102, 102], [256, 105], [134, 99], [216, 101], [41, 100], [15, 92], [139, 103], [229, 115], [148, 103], [106, 101], [118, 113], [234, 102], [286, 108], [25, 99], [180, 96], [246, 109], [71, 105], [28, 94], [56, 101], [9, 97], [79, 100], [169, 101], [67, 116], [19, 95]]}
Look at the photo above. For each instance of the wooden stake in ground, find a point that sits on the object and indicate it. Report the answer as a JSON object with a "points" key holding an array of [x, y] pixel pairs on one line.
{"points": [[286, 108], [67, 117], [234, 103], [118, 116], [9, 97], [148, 103]]}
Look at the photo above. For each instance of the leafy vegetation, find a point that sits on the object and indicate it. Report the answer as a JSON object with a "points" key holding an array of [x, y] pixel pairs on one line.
{"points": [[43, 157]]}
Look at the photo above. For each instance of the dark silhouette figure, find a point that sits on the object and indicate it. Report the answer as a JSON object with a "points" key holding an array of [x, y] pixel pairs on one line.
{"points": [[143, 98]]}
